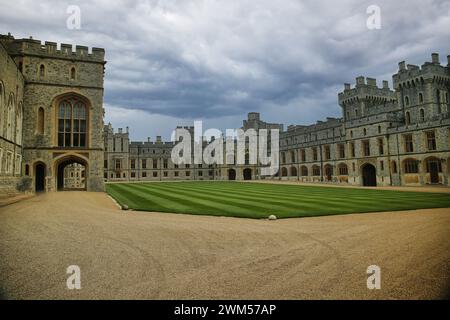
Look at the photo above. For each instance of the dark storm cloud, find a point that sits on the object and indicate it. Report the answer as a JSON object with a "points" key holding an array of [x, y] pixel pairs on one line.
{"points": [[173, 61]]}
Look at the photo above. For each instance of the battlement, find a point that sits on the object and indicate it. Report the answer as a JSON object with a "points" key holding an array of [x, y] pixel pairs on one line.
{"points": [[366, 88], [253, 116], [429, 70], [329, 123], [49, 49]]}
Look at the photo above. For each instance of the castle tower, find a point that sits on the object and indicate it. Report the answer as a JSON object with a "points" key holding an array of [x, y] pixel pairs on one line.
{"points": [[63, 110], [422, 92], [357, 102]]}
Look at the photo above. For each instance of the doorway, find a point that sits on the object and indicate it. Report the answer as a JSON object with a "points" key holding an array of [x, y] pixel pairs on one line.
{"points": [[247, 174], [231, 174], [39, 177], [433, 168], [369, 175]]}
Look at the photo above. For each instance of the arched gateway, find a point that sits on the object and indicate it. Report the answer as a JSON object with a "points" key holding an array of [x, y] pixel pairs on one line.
{"points": [[72, 173]]}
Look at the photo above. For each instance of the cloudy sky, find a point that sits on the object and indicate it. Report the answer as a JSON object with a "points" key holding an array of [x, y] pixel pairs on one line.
{"points": [[172, 62]]}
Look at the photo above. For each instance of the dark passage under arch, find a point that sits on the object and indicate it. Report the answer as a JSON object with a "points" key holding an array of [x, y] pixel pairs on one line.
{"points": [[369, 175], [247, 174], [39, 177], [66, 178]]}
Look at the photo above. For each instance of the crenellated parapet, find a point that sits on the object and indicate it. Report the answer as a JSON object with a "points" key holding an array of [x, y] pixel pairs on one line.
{"points": [[366, 89], [33, 47], [409, 75]]}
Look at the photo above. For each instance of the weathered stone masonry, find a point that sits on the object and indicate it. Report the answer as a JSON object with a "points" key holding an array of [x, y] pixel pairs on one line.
{"points": [[55, 80]]}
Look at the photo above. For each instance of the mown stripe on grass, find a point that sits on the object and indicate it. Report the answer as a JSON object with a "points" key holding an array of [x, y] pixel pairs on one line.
{"points": [[303, 203], [198, 202], [259, 200]]}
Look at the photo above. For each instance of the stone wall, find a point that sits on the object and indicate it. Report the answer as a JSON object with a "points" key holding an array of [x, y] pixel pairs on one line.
{"points": [[11, 114]]}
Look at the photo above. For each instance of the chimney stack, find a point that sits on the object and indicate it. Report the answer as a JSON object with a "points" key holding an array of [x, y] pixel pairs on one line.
{"points": [[385, 84], [402, 66], [435, 58], [148, 139], [448, 61], [158, 139], [347, 86], [120, 130], [128, 130]]}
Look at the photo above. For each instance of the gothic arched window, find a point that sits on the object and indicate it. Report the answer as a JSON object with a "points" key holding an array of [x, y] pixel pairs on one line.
{"points": [[408, 118], [422, 115], [72, 123]]}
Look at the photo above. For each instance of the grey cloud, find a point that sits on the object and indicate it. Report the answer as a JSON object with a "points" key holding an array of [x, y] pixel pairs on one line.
{"points": [[218, 60]]}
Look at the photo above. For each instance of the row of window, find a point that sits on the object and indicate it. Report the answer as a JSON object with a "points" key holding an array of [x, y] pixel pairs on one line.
{"points": [[441, 97], [118, 164], [410, 166], [430, 143], [43, 74], [7, 164], [313, 137], [155, 174]]}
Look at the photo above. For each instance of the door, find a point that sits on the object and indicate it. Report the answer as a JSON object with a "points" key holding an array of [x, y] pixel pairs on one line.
{"points": [[369, 175], [231, 174], [434, 172], [247, 174], [40, 177]]}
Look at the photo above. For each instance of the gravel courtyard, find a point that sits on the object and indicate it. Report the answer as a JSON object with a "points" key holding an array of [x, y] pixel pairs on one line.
{"points": [[139, 255]]}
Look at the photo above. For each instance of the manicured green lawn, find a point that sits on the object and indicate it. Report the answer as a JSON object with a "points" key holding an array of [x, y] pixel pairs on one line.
{"points": [[253, 200]]}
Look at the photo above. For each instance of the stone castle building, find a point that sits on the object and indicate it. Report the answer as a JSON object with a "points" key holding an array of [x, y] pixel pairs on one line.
{"points": [[398, 136], [51, 114], [51, 129]]}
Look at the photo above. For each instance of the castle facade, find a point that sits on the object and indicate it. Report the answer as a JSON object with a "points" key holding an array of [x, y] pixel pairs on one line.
{"points": [[51, 114], [386, 136], [52, 131]]}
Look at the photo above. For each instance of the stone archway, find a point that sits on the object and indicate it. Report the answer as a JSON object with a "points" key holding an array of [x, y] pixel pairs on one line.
{"points": [[369, 175], [293, 171], [68, 181]]}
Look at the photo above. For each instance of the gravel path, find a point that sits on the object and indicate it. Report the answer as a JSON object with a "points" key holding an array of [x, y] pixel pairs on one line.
{"points": [[167, 256]]}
